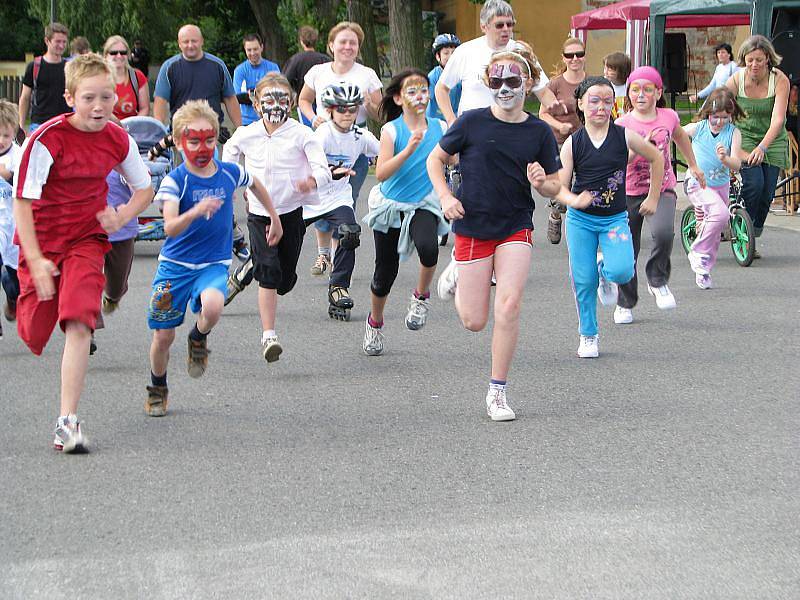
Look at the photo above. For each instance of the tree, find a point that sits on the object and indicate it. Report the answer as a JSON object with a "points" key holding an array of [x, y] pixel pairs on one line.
{"points": [[266, 14], [361, 12], [405, 31]]}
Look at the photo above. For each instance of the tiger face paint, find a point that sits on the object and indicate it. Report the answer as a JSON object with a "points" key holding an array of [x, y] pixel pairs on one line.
{"points": [[415, 94], [275, 104]]}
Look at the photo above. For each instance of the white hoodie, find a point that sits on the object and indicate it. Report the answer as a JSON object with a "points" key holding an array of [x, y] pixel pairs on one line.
{"points": [[278, 161]]}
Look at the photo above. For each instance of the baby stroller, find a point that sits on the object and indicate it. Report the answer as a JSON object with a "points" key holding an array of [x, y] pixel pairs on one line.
{"points": [[147, 132]]}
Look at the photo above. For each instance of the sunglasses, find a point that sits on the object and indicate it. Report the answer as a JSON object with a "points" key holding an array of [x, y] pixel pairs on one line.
{"points": [[501, 24], [118, 52], [495, 83], [570, 55], [347, 109], [648, 89]]}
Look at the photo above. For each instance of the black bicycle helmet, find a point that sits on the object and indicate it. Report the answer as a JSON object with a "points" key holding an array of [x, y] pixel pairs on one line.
{"points": [[341, 94], [445, 40]]}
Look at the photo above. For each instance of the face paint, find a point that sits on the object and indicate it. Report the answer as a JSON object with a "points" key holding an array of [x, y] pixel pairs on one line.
{"points": [[415, 94], [274, 103], [718, 120], [198, 146], [507, 84], [599, 105]]}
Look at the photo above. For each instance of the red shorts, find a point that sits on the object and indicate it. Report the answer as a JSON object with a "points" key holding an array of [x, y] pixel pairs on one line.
{"points": [[468, 249], [79, 287]]}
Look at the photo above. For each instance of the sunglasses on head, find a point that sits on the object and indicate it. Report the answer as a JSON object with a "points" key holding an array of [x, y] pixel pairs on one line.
{"points": [[495, 83], [580, 54], [502, 24], [347, 109], [118, 52]]}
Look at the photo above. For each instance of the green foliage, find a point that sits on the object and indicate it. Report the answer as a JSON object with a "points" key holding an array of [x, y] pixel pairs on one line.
{"points": [[291, 19], [21, 32]]}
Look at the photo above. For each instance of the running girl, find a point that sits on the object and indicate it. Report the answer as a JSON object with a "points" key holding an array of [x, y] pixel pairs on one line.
{"points": [[717, 143], [284, 156], [646, 115], [492, 218], [597, 156], [404, 211]]}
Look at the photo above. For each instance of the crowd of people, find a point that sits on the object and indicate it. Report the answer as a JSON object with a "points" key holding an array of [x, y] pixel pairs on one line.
{"points": [[78, 181]]}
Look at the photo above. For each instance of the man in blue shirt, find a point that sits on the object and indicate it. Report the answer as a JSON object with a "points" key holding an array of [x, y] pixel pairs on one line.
{"points": [[249, 73], [194, 75]]}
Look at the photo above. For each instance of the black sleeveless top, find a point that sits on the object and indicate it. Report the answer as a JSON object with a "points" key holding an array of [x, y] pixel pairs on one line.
{"points": [[601, 170]]}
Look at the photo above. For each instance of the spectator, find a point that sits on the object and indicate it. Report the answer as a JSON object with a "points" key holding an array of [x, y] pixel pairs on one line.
{"points": [[140, 57], [194, 75], [249, 73], [133, 93], [725, 69], [79, 45], [298, 64], [571, 73], [616, 68], [43, 84]]}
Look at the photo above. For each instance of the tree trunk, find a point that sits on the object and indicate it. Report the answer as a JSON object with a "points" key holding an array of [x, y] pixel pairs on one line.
{"points": [[360, 11], [266, 14], [326, 11], [405, 31]]}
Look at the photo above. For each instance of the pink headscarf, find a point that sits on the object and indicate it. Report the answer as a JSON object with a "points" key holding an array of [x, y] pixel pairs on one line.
{"points": [[648, 73]]}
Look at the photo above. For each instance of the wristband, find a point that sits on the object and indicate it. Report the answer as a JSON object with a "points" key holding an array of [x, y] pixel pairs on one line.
{"points": [[760, 147]]}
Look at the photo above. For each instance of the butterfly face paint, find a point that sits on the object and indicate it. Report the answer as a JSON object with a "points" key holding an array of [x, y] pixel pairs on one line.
{"points": [[599, 105], [415, 94], [718, 120], [198, 146], [274, 104], [507, 83]]}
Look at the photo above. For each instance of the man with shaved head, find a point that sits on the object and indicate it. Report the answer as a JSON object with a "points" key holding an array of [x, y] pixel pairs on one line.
{"points": [[194, 75]]}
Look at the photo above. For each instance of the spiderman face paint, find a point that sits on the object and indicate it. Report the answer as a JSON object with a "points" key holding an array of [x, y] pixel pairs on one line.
{"points": [[198, 146], [415, 94], [507, 84], [275, 105]]}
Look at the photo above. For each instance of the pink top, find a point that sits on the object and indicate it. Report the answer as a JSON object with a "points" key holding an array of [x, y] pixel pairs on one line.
{"points": [[637, 182]]}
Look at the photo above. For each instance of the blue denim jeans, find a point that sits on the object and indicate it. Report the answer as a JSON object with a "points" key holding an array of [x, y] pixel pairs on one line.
{"points": [[758, 190]]}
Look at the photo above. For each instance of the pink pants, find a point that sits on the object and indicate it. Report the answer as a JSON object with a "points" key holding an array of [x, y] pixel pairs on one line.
{"points": [[711, 209]]}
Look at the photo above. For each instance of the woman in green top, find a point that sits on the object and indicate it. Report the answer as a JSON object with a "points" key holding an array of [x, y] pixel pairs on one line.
{"points": [[763, 92]]}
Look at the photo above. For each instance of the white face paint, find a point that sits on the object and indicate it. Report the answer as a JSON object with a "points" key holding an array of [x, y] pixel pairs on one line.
{"points": [[415, 94], [507, 84], [274, 104]]}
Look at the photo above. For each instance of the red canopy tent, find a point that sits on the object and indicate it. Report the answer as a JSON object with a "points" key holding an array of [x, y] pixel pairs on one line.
{"points": [[634, 17]]}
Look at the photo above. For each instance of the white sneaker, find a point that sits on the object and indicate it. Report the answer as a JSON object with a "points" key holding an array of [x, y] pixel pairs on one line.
{"points": [[607, 291], [446, 286], [496, 406], [588, 347], [703, 281], [664, 298], [373, 340], [271, 349], [417, 314], [699, 262], [623, 316], [68, 436]]}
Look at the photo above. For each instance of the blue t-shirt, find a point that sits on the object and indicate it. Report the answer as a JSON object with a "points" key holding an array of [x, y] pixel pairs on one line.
{"points": [[180, 80], [455, 94], [494, 158], [410, 183], [601, 170], [204, 241], [245, 78], [704, 144]]}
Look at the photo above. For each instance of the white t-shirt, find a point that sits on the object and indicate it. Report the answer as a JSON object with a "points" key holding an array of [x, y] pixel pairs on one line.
{"points": [[467, 65], [8, 249], [340, 148], [321, 76]]}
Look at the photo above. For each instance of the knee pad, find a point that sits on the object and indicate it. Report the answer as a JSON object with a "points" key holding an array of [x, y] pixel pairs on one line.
{"points": [[287, 285], [349, 236]]}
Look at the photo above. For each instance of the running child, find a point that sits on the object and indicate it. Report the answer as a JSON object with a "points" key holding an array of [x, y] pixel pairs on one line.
{"points": [[10, 154], [404, 210], [63, 224], [616, 68], [343, 142], [717, 143], [443, 47], [646, 115], [492, 217], [193, 264], [597, 157], [289, 161]]}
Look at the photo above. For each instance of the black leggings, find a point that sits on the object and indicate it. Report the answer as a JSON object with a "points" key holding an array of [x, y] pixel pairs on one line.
{"points": [[387, 261]]}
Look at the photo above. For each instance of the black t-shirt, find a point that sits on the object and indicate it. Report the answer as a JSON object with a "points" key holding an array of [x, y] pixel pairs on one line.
{"points": [[494, 156], [601, 170], [140, 58], [298, 65], [48, 100]]}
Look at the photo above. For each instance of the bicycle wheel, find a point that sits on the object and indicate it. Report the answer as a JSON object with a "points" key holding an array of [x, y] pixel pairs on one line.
{"points": [[743, 238], [688, 231]]}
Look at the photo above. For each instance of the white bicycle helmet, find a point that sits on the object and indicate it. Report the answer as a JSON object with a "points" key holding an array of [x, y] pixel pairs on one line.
{"points": [[341, 94]]}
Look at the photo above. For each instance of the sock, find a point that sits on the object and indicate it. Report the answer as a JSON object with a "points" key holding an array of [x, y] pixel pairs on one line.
{"points": [[373, 323], [268, 334], [197, 335], [158, 380], [326, 251], [421, 296], [496, 383]]}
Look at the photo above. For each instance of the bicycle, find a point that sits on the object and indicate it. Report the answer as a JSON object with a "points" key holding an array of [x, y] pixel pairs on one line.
{"points": [[739, 231]]}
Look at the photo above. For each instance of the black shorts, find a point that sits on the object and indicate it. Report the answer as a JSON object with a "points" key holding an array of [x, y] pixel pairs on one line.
{"points": [[275, 267]]}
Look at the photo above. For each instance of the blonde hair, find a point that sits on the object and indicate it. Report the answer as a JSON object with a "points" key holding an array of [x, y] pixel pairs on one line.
{"points": [[86, 66], [561, 67], [116, 39], [193, 110], [346, 25], [521, 53], [272, 79], [9, 115], [758, 42]]}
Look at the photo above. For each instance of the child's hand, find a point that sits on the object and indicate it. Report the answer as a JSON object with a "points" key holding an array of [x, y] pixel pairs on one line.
{"points": [[341, 172], [648, 207], [698, 174], [415, 140], [317, 121], [565, 128], [274, 232], [109, 219], [42, 272], [304, 186], [207, 207], [536, 175], [583, 199], [722, 153], [452, 207]]}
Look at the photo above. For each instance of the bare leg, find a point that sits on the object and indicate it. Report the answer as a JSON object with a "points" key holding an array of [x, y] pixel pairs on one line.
{"points": [[378, 304], [159, 350], [473, 292], [324, 238], [74, 363], [267, 307], [212, 302], [512, 263], [425, 278]]}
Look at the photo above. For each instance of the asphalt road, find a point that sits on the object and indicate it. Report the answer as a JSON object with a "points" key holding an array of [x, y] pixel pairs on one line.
{"points": [[667, 468]]}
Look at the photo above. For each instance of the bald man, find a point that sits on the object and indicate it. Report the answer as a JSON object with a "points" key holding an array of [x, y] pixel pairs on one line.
{"points": [[194, 75]]}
